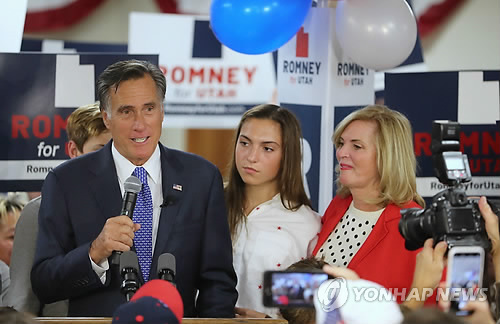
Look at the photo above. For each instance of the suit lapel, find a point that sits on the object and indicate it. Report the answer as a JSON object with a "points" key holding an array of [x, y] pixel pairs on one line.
{"points": [[171, 171], [105, 185]]}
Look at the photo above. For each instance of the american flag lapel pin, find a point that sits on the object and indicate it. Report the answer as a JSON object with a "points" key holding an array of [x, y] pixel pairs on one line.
{"points": [[177, 187]]}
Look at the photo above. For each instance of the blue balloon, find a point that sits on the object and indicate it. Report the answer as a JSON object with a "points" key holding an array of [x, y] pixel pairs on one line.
{"points": [[257, 26]]}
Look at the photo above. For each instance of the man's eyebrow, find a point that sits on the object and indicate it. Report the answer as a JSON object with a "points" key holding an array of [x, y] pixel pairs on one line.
{"points": [[123, 107]]}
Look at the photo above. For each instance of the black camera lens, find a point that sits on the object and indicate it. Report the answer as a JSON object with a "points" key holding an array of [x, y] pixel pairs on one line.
{"points": [[415, 226]]}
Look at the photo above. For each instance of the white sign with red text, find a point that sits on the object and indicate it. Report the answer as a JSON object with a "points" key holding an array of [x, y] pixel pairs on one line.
{"points": [[315, 80], [208, 84]]}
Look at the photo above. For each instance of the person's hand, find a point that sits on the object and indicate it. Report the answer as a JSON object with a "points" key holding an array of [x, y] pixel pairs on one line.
{"points": [[429, 268], [345, 273], [429, 265], [444, 297], [248, 313], [480, 312], [116, 235], [491, 224]]}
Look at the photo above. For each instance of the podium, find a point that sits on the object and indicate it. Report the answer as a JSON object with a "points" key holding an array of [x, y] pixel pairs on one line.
{"points": [[107, 320]]}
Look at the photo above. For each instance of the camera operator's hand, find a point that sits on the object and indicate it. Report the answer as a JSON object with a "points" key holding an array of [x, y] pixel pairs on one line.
{"points": [[429, 268], [480, 309], [443, 297], [491, 224], [480, 312]]}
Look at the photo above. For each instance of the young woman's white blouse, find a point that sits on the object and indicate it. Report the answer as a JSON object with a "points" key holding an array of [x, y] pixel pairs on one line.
{"points": [[273, 238]]}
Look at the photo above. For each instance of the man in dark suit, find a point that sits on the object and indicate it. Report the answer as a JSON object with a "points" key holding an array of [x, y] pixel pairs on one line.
{"points": [[79, 226]]}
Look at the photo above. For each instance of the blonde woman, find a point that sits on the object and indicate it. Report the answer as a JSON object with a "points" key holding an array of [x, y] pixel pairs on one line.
{"points": [[375, 180]]}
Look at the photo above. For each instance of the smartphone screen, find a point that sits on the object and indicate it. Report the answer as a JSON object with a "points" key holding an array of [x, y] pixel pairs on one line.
{"points": [[291, 289], [465, 271]]}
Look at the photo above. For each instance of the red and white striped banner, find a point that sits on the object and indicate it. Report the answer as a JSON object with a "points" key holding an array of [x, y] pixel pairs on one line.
{"points": [[50, 15], [431, 13]]}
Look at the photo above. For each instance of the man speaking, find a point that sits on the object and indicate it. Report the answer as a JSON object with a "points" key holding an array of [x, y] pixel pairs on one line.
{"points": [[180, 210]]}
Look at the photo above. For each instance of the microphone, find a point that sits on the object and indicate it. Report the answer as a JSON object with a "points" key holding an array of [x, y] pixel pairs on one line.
{"points": [[167, 201], [132, 187], [129, 269], [165, 292], [166, 267]]}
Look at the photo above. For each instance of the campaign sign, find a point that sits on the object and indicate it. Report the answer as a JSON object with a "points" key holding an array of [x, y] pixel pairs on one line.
{"points": [[39, 92], [315, 79], [309, 115], [470, 97], [208, 84]]}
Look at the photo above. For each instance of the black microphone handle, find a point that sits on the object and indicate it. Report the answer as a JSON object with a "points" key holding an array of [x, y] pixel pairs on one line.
{"points": [[128, 205]]}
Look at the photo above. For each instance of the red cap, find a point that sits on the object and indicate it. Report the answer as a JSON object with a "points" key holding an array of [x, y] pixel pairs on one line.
{"points": [[165, 292]]}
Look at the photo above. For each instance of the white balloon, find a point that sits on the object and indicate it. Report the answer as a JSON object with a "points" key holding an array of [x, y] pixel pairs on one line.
{"points": [[377, 34]]}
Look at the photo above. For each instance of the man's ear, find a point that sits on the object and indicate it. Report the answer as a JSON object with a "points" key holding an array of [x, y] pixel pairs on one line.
{"points": [[105, 119], [73, 150]]}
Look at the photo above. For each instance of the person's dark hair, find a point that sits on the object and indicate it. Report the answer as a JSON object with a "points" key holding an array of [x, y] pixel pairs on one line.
{"points": [[300, 315], [121, 71], [290, 184]]}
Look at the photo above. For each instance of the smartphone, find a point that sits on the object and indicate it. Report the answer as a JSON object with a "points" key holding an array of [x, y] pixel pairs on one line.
{"points": [[464, 276], [291, 288]]}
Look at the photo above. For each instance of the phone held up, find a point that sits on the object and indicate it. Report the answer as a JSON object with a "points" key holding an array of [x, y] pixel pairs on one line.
{"points": [[291, 288], [464, 277]]}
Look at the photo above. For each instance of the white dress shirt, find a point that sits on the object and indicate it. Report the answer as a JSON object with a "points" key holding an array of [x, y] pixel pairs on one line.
{"points": [[272, 239], [124, 169]]}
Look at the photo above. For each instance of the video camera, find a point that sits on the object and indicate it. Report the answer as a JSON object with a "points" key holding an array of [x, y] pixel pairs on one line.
{"points": [[452, 217]]}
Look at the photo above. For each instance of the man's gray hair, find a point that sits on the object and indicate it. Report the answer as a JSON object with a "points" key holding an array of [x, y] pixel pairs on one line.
{"points": [[120, 71]]}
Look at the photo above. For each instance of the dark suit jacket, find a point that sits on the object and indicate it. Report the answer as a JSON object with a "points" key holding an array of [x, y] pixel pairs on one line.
{"points": [[82, 193]]}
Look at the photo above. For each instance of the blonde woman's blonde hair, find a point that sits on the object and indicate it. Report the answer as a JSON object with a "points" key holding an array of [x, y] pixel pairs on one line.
{"points": [[9, 205], [396, 162]]}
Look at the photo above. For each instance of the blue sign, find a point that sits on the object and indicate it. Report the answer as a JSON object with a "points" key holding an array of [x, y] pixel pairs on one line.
{"points": [[469, 97], [34, 113]]}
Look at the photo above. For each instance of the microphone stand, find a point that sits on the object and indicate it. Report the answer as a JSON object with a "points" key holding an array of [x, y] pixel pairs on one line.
{"points": [[129, 266]]}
